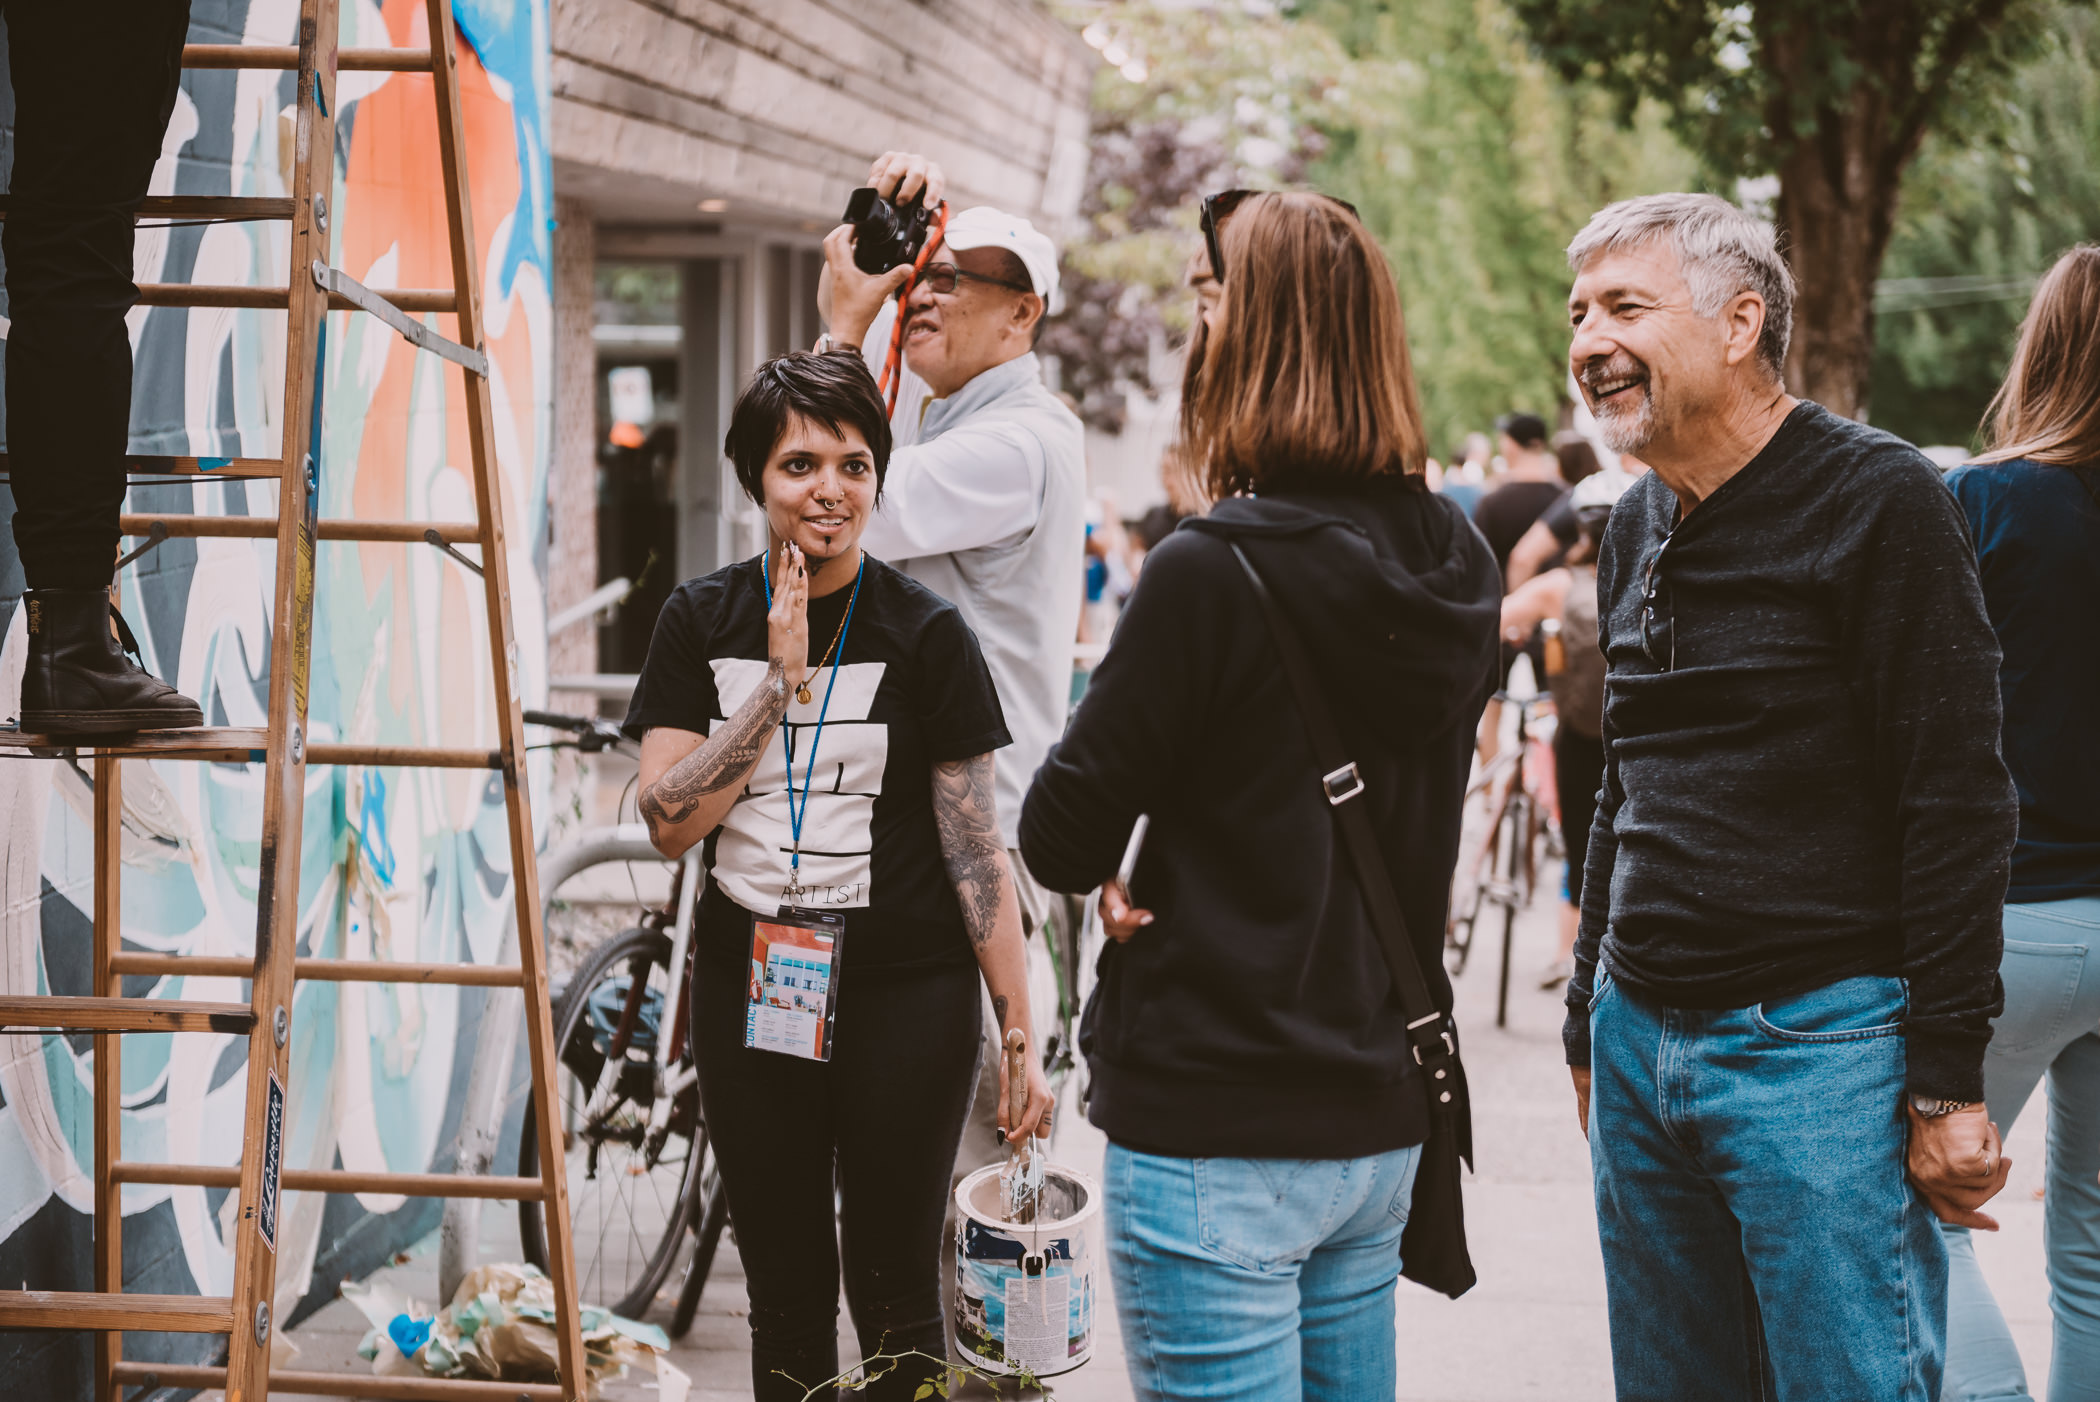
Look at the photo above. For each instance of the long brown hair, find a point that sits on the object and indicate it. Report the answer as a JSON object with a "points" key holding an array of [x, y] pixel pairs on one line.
{"points": [[1308, 377], [2048, 409]]}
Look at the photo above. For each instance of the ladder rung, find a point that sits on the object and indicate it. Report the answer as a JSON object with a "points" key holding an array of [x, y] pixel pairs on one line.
{"points": [[132, 961], [219, 294], [208, 207], [344, 1384], [286, 56], [80, 1309], [244, 745], [141, 466], [335, 1180], [124, 1015], [265, 527]]}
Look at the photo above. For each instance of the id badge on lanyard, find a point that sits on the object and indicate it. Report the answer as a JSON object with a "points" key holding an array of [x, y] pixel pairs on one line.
{"points": [[791, 995]]}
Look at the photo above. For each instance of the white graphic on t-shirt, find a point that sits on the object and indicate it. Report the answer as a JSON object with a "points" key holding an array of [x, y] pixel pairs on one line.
{"points": [[751, 857]]}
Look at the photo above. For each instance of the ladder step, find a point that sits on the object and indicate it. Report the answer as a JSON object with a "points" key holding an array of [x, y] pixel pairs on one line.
{"points": [[219, 294], [286, 57], [265, 528], [336, 1180], [243, 745], [345, 1384], [146, 467], [124, 1015], [207, 207], [80, 1309], [132, 961]]}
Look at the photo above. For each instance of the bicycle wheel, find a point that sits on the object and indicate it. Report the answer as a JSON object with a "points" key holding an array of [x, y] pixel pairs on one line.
{"points": [[631, 1181]]}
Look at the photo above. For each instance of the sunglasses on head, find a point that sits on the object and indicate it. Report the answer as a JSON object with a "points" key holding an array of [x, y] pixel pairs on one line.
{"points": [[1219, 207]]}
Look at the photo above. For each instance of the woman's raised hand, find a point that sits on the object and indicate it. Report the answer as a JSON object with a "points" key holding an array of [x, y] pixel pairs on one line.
{"points": [[787, 622]]}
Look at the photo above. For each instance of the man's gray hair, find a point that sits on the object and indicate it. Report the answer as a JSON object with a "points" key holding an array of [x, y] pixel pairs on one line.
{"points": [[1723, 249]]}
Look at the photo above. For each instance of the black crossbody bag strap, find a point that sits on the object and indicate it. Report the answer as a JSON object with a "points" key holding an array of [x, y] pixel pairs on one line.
{"points": [[1434, 1251]]}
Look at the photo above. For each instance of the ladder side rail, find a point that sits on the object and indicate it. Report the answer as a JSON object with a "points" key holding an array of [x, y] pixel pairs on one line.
{"points": [[277, 896], [503, 660], [109, 1066]]}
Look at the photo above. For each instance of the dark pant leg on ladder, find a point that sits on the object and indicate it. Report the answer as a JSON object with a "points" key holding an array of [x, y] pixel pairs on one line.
{"points": [[769, 1117], [93, 85], [907, 1057]]}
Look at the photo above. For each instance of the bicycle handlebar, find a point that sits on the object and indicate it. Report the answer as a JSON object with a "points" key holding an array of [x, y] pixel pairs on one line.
{"points": [[592, 733]]}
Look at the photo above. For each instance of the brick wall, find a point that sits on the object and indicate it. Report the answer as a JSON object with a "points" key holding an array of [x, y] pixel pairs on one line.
{"points": [[572, 489]]}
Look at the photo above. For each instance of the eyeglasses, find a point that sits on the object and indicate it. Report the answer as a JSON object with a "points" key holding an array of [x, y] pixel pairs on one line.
{"points": [[942, 277], [1219, 207], [1658, 620]]}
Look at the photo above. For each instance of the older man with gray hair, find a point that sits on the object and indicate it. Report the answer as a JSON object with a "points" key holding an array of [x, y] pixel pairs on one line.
{"points": [[1787, 965]]}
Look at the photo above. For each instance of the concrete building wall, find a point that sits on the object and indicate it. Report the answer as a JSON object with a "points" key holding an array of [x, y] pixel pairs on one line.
{"points": [[778, 107], [572, 508]]}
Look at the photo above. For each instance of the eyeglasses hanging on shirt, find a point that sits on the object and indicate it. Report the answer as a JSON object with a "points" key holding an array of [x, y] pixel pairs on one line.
{"points": [[1658, 616]]}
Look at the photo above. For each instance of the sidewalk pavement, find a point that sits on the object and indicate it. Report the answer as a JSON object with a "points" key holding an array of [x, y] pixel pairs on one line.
{"points": [[1533, 1328]]}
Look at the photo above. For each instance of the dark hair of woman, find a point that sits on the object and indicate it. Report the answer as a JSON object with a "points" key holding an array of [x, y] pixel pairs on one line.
{"points": [[1308, 376], [833, 389], [1577, 458]]}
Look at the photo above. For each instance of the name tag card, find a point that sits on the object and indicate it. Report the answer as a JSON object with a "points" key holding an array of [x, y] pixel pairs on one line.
{"points": [[791, 997]]}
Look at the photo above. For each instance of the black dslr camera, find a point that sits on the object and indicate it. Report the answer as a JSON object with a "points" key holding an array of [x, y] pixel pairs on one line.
{"points": [[885, 234]]}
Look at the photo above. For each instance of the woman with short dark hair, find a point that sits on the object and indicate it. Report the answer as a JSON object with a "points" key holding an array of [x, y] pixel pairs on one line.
{"points": [[1250, 1055], [2033, 507], [825, 724]]}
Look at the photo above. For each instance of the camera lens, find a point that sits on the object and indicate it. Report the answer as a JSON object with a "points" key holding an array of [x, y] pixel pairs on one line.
{"points": [[884, 235]]}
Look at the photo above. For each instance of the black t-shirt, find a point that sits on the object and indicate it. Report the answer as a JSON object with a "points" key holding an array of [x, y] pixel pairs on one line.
{"points": [[1561, 520], [1507, 512], [912, 689]]}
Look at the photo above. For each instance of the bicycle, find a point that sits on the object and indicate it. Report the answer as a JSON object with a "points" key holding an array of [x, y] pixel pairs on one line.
{"points": [[642, 1176], [1505, 871]]}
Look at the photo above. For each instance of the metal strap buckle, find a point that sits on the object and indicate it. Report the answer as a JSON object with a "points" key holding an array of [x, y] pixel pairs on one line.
{"points": [[1444, 1031], [1342, 785]]}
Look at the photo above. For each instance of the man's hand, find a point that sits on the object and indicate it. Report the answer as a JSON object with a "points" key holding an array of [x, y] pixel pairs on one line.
{"points": [[848, 299], [1582, 1097], [1957, 1163]]}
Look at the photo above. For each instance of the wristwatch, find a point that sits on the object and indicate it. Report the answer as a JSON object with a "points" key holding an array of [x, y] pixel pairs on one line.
{"points": [[1929, 1108], [826, 344]]}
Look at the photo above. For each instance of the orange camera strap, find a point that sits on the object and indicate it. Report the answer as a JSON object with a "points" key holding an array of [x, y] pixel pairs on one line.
{"points": [[893, 363]]}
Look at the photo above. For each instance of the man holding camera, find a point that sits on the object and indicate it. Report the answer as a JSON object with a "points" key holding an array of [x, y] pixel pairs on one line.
{"points": [[985, 500]]}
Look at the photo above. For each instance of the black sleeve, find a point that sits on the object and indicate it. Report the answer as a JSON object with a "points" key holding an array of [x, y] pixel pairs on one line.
{"points": [[1924, 669], [1134, 724], [677, 686], [1604, 842], [959, 715]]}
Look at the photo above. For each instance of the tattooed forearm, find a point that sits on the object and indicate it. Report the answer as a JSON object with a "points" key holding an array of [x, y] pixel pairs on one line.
{"points": [[723, 761], [963, 808]]}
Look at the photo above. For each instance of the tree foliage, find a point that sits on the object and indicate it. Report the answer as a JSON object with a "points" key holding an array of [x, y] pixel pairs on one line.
{"points": [[1979, 221]]}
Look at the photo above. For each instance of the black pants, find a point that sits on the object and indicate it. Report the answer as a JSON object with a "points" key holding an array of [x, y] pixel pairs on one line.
{"points": [[94, 85], [888, 1110], [1578, 772]]}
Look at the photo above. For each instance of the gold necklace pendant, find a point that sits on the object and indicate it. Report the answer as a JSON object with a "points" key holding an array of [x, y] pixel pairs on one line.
{"points": [[802, 693]]}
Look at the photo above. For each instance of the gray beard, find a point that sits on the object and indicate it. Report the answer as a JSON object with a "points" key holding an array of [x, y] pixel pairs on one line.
{"points": [[1627, 433]]}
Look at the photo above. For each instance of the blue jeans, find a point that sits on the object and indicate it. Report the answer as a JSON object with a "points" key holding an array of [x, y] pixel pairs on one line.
{"points": [[2051, 1024], [1760, 1239], [1269, 1280]]}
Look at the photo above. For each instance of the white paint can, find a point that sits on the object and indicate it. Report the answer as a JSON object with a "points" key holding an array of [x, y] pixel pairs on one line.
{"points": [[1024, 1292]]}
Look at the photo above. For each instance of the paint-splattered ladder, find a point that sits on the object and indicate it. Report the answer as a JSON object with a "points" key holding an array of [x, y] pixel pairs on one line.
{"points": [[311, 289]]}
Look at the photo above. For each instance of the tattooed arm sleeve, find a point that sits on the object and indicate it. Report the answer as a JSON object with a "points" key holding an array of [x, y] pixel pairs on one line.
{"points": [[970, 842], [687, 798]]}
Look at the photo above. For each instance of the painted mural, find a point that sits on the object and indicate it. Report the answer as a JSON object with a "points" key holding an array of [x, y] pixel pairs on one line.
{"points": [[397, 864]]}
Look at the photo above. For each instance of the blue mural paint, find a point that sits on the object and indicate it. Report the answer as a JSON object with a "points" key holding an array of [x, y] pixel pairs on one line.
{"points": [[213, 464]]}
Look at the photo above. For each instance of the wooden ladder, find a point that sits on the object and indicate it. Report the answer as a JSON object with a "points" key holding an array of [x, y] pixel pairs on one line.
{"points": [[311, 289]]}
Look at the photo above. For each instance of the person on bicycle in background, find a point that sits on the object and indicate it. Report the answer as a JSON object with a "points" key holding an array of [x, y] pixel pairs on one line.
{"points": [[1575, 676], [826, 725], [985, 501], [1251, 1059]]}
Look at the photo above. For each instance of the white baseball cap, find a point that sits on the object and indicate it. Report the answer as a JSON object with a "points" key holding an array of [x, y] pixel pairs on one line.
{"points": [[984, 227]]}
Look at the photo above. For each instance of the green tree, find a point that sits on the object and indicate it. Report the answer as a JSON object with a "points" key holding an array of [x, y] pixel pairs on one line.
{"points": [[1978, 223], [1835, 97]]}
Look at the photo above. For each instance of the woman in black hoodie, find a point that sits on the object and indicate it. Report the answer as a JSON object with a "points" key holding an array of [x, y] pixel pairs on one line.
{"points": [[1250, 1058]]}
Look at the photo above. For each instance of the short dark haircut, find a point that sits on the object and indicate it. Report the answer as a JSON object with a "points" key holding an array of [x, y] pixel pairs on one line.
{"points": [[834, 390], [1525, 430]]}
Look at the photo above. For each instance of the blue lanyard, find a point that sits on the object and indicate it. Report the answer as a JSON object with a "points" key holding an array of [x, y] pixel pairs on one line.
{"points": [[797, 812]]}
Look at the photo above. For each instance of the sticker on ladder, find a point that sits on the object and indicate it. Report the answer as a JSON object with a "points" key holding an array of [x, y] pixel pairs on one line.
{"points": [[273, 1159]]}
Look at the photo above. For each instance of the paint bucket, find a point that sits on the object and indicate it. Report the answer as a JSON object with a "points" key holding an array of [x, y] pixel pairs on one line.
{"points": [[1024, 1292]]}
